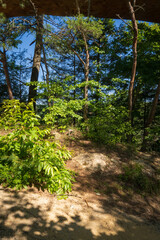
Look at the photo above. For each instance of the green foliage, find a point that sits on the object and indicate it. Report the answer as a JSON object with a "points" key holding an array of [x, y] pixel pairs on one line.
{"points": [[26, 158], [109, 124], [68, 43], [63, 112], [2, 17], [87, 26], [153, 139], [135, 177], [9, 34]]}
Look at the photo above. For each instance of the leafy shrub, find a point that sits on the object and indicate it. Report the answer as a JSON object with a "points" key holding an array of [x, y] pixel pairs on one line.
{"points": [[26, 158], [63, 112], [135, 177], [153, 140], [109, 124]]}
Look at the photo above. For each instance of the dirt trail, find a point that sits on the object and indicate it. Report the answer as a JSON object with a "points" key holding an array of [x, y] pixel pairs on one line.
{"points": [[88, 213]]}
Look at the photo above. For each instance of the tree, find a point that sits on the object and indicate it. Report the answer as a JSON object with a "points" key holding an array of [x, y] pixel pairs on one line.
{"points": [[36, 59], [82, 31], [134, 47], [147, 74], [8, 39]]}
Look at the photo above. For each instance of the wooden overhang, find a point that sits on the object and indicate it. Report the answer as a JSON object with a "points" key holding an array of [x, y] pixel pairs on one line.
{"points": [[146, 10]]}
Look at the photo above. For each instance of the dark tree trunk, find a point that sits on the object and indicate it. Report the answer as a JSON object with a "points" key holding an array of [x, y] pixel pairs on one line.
{"points": [[154, 105], [98, 74], [145, 133], [74, 93], [150, 117], [6, 72], [36, 59]]}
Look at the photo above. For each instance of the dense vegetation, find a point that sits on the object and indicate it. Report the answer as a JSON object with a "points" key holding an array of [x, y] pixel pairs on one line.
{"points": [[84, 67], [26, 156]]}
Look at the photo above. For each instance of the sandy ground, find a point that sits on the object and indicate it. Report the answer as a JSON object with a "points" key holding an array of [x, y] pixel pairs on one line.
{"points": [[36, 215], [88, 213]]}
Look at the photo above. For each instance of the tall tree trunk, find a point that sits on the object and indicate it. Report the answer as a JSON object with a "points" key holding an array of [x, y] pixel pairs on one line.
{"points": [[74, 93], [144, 125], [134, 65], [47, 76], [154, 105], [85, 113], [86, 69], [98, 74], [36, 59], [6, 72], [20, 84], [150, 117]]}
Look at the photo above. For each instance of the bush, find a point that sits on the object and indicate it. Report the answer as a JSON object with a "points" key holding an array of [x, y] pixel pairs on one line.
{"points": [[109, 124], [135, 177], [62, 113], [26, 157]]}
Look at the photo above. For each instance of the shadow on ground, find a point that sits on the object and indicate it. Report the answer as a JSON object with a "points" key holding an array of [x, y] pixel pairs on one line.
{"points": [[22, 220]]}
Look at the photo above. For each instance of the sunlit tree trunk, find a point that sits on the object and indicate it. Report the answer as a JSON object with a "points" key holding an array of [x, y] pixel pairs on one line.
{"points": [[36, 59], [47, 76], [134, 65]]}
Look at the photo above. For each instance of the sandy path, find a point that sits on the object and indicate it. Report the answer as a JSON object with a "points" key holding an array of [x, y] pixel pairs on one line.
{"points": [[29, 214]]}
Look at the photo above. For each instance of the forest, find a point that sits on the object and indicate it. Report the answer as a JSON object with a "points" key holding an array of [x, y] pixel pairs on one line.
{"points": [[90, 74]]}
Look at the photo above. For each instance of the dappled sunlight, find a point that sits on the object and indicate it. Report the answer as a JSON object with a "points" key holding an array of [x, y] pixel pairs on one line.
{"points": [[30, 214]]}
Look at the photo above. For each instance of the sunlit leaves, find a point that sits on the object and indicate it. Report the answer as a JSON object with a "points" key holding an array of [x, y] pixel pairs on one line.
{"points": [[26, 158]]}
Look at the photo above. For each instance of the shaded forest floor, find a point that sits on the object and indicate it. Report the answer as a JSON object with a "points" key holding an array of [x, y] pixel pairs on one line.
{"points": [[100, 206]]}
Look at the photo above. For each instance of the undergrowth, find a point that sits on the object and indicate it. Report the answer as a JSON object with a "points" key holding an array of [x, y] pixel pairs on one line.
{"points": [[26, 157], [134, 177]]}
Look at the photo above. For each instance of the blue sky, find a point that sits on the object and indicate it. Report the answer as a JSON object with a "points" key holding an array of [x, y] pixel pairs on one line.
{"points": [[27, 39]]}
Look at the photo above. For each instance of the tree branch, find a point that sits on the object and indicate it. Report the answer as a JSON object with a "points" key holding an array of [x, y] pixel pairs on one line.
{"points": [[78, 56], [124, 21]]}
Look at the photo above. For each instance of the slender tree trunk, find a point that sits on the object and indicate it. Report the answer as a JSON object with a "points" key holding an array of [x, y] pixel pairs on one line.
{"points": [[144, 126], [154, 105], [47, 76], [74, 93], [136, 93], [20, 84], [150, 117], [98, 73], [6, 72], [134, 65], [86, 69], [85, 113], [36, 59]]}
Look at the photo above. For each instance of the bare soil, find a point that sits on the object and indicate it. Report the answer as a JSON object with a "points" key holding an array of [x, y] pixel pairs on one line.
{"points": [[99, 207]]}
